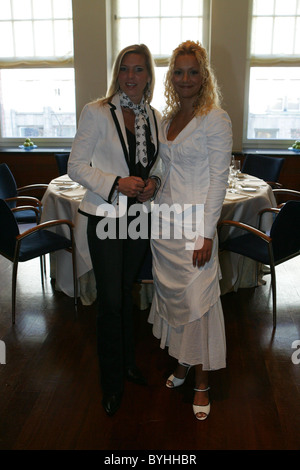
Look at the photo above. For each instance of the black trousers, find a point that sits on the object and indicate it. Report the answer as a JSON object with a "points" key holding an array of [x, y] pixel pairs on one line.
{"points": [[116, 263]]}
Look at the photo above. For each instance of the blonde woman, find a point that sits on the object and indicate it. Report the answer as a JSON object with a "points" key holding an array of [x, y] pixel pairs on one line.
{"points": [[114, 156], [195, 148]]}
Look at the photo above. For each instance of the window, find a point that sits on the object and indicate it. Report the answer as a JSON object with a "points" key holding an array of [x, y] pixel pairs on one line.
{"points": [[37, 89], [161, 25], [274, 91]]}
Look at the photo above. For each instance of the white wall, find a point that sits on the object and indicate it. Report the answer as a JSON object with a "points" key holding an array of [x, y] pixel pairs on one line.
{"points": [[90, 50], [229, 29]]}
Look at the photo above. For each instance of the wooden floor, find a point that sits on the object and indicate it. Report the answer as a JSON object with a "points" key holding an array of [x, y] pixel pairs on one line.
{"points": [[50, 395]]}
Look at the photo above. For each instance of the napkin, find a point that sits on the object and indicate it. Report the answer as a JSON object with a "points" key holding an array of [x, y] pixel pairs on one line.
{"points": [[250, 184]]}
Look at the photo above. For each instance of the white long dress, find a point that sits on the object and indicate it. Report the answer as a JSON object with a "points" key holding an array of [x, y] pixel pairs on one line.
{"points": [[186, 311]]}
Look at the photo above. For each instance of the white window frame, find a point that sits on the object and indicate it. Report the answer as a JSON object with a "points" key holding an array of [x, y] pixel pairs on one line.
{"points": [[162, 60], [30, 63], [263, 61]]}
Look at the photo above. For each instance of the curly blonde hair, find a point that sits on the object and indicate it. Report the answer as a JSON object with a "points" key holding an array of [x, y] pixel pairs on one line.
{"points": [[209, 94]]}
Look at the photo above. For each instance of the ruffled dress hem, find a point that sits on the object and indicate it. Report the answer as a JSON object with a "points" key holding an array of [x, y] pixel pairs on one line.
{"points": [[199, 342]]}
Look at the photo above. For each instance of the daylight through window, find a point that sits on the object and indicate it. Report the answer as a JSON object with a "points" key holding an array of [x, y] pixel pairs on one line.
{"points": [[162, 25], [274, 93], [37, 89]]}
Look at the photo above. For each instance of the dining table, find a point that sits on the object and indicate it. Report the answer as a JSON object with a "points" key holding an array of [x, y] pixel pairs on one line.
{"points": [[62, 199], [243, 204]]}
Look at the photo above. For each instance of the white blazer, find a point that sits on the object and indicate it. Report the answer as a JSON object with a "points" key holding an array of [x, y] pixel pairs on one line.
{"points": [[197, 161], [100, 151]]}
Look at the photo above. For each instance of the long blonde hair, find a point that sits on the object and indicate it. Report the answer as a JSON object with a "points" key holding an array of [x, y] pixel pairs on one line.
{"points": [[209, 94], [114, 84]]}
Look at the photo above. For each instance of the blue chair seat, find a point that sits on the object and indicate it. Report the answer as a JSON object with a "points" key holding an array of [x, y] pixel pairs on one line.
{"points": [[42, 243], [248, 245], [25, 217]]}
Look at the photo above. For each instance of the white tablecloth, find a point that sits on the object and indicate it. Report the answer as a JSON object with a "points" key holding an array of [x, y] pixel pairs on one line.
{"points": [[61, 201], [238, 271]]}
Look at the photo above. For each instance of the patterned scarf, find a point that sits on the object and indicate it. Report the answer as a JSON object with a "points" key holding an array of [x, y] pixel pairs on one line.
{"points": [[140, 125]]}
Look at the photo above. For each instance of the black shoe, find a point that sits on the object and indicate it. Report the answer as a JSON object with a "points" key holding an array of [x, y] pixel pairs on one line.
{"points": [[133, 374], [111, 402]]}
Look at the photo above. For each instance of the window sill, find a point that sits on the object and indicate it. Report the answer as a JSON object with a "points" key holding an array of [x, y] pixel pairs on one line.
{"points": [[284, 152], [36, 150]]}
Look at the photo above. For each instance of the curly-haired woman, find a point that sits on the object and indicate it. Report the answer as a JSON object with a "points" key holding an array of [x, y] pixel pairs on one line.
{"points": [[195, 147]]}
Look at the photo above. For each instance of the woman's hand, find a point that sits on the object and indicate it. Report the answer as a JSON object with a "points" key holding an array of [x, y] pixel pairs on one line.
{"points": [[148, 191], [131, 186], [202, 256]]}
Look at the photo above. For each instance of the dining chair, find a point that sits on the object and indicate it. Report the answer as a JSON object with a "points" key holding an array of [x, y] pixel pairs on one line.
{"points": [[265, 168], [33, 243], [283, 194], [62, 162], [282, 244], [13, 195]]}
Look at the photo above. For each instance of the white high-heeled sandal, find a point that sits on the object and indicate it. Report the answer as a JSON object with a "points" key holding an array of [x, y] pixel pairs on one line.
{"points": [[205, 409], [175, 380]]}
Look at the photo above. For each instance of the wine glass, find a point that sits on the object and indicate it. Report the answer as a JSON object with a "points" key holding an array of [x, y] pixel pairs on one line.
{"points": [[237, 167], [234, 170], [232, 180], [232, 163]]}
